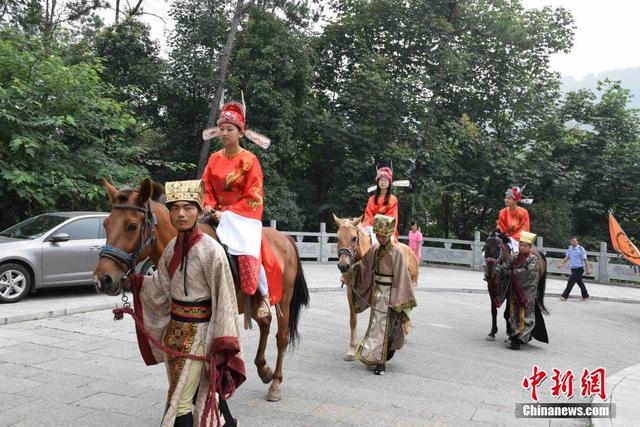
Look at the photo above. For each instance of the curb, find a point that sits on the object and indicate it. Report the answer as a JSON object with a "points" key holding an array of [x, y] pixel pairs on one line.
{"points": [[484, 291], [619, 381], [97, 307], [55, 313]]}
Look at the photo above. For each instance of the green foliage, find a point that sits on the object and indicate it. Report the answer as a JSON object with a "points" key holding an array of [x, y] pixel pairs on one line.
{"points": [[60, 132]]}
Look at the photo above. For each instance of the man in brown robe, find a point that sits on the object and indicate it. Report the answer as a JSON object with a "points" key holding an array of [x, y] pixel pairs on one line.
{"points": [[190, 306], [386, 288], [523, 303]]}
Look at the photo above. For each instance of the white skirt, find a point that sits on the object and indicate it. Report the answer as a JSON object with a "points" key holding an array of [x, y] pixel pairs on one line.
{"points": [[242, 235]]}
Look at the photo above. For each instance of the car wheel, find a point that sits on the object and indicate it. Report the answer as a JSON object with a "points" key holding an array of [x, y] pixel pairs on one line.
{"points": [[148, 268], [15, 283]]}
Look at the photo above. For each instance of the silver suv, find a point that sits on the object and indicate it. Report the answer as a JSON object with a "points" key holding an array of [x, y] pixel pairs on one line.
{"points": [[50, 250]]}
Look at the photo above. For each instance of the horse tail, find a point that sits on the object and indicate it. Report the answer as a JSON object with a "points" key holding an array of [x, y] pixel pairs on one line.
{"points": [[542, 283], [299, 299]]}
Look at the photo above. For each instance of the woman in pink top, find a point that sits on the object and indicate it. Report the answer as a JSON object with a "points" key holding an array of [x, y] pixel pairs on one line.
{"points": [[415, 240]]}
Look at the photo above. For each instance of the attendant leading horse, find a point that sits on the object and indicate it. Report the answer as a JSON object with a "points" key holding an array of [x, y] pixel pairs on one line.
{"points": [[139, 227], [353, 243], [496, 251]]}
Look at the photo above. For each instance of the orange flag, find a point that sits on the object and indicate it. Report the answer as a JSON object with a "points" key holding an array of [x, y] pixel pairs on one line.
{"points": [[621, 242]]}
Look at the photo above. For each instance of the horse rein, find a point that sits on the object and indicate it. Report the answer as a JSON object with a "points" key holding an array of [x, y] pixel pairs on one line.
{"points": [[129, 259]]}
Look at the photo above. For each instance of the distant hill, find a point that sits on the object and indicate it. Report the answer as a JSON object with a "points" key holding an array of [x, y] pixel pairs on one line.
{"points": [[630, 78]]}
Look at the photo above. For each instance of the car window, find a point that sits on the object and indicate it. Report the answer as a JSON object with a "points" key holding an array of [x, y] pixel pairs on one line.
{"points": [[84, 228], [34, 227]]}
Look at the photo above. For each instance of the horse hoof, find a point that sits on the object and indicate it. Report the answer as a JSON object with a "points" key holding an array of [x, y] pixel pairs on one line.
{"points": [[491, 337], [267, 377], [349, 357], [274, 395]]}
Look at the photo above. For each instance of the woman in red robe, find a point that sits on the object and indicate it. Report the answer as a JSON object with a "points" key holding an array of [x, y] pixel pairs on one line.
{"points": [[234, 195], [382, 202]]}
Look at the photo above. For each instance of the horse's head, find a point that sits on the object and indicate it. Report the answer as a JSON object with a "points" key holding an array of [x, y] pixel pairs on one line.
{"points": [[130, 232], [350, 241], [494, 251]]}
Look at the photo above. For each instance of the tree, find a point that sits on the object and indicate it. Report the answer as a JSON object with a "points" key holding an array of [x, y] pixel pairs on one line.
{"points": [[60, 132], [452, 102]]}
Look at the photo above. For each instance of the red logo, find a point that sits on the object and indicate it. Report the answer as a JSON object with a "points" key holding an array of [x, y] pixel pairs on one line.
{"points": [[562, 384], [534, 381], [592, 383]]}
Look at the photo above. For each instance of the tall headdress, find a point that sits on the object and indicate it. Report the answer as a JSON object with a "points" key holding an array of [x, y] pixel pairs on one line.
{"points": [[185, 191], [527, 237], [236, 113], [387, 172], [384, 225], [516, 193]]}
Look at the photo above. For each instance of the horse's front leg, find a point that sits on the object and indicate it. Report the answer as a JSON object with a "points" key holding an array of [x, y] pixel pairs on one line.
{"points": [[264, 371], [282, 339], [494, 321], [353, 321]]}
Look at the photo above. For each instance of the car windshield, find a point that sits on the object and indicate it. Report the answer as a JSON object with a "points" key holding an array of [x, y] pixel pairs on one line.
{"points": [[34, 227]]}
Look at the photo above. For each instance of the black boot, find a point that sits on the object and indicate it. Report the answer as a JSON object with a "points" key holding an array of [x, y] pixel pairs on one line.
{"points": [[185, 420], [515, 343], [379, 369]]}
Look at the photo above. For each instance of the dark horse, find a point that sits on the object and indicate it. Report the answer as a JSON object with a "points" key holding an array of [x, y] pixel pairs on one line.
{"points": [[139, 226], [496, 251]]}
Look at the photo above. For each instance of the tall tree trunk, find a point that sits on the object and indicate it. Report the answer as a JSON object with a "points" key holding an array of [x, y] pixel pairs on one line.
{"points": [[117, 11], [225, 58]]}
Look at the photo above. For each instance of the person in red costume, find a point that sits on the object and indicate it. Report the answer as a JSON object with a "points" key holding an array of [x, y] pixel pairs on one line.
{"points": [[234, 196], [381, 202], [513, 219]]}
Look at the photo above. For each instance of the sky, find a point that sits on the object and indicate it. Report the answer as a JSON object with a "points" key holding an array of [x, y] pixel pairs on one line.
{"points": [[606, 37]]}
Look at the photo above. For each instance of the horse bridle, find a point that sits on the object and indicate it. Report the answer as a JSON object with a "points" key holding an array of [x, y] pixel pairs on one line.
{"points": [[129, 259], [495, 260], [353, 250]]}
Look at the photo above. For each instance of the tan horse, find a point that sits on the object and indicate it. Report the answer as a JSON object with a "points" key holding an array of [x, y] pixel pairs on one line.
{"points": [[353, 243], [123, 229]]}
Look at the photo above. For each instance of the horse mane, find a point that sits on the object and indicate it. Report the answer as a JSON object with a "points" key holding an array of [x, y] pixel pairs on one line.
{"points": [[158, 193]]}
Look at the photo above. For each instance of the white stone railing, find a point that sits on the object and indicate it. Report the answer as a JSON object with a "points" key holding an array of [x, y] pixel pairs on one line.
{"points": [[605, 267]]}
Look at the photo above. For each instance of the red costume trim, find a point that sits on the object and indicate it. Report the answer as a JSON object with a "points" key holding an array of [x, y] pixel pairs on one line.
{"points": [[137, 281], [194, 237], [232, 371]]}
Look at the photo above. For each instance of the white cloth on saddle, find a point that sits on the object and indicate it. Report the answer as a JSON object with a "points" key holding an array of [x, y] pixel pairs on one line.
{"points": [[514, 245], [369, 232], [242, 235]]}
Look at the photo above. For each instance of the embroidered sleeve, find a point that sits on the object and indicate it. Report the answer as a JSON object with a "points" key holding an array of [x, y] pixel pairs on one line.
{"points": [[370, 211], [525, 220], [251, 203], [209, 190]]}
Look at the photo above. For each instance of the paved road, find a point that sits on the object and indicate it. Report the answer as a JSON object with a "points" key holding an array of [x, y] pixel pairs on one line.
{"points": [[84, 369], [59, 302]]}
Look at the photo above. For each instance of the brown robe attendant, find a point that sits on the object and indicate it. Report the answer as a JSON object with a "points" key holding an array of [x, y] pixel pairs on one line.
{"points": [[386, 287]]}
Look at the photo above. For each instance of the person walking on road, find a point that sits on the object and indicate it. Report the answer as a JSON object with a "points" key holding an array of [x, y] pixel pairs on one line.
{"points": [[415, 240], [578, 262]]}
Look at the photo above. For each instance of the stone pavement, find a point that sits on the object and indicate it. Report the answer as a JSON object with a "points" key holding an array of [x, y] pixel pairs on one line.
{"points": [[84, 369]]}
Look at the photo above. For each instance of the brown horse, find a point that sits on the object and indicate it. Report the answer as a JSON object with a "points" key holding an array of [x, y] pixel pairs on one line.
{"points": [[353, 243], [125, 231]]}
